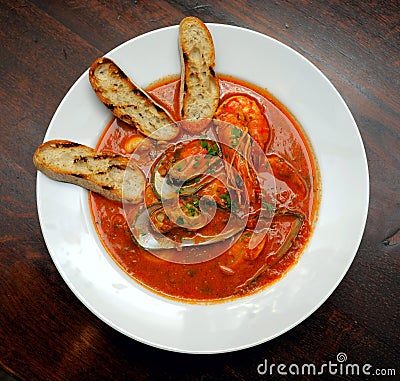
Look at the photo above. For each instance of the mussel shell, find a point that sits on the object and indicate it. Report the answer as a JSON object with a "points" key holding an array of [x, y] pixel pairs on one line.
{"points": [[170, 213], [166, 188], [147, 237], [185, 176]]}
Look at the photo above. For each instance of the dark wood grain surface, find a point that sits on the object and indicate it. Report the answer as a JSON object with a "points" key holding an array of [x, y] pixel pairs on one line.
{"points": [[45, 332]]}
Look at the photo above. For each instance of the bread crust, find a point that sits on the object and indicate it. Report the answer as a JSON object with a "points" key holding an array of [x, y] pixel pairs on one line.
{"points": [[130, 103], [199, 88], [108, 174]]}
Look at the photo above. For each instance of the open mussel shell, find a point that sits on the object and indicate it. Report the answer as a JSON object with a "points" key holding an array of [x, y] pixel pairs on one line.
{"points": [[186, 168], [190, 213], [167, 188], [182, 233], [144, 234]]}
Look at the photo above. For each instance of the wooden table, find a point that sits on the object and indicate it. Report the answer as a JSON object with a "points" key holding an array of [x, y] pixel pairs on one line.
{"points": [[45, 332]]}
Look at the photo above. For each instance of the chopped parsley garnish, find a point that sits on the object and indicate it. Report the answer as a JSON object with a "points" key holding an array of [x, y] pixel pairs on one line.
{"points": [[179, 166], [268, 206], [180, 220], [230, 204], [189, 182], [212, 147], [225, 196], [191, 208], [236, 134]]}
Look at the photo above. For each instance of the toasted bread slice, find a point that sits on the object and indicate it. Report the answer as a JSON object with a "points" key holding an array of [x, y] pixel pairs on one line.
{"points": [[129, 102], [108, 174], [199, 89]]}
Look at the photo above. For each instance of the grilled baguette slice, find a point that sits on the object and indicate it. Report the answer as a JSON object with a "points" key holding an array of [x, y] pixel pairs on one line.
{"points": [[100, 172], [129, 102], [199, 88]]}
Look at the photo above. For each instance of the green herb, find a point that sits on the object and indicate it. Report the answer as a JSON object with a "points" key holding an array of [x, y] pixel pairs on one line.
{"points": [[191, 208], [236, 134], [225, 196], [268, 206], [191, 181], [212, 148], [239, 181], [180, 220], [211, 169], [179, 166], [234, 206], [230, 204], [227, 199]]}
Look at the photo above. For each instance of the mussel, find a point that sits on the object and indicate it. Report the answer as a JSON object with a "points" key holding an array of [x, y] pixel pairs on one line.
{"points": [[186, 167], [196, 221]]}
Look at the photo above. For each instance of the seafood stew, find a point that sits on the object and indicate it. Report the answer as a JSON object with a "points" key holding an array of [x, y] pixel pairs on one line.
{"points": [[196, 257]]}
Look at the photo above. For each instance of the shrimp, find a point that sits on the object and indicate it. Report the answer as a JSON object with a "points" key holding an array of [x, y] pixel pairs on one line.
{"points": [[244, 123], [245, 113]]}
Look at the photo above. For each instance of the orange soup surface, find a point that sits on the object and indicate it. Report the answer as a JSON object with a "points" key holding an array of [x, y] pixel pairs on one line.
{"points": [[238, 271]]}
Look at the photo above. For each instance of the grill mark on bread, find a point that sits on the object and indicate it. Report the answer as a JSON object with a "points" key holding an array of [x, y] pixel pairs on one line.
{"points": [[103, 156], [66, 144], [199, 88], [130, 103], [122, 75], [211, 70], [159, 108], [118, 166], [100, 172], [136, 92], [81, 158]]}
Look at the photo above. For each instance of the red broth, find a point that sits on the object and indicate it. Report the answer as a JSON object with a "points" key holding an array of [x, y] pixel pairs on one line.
{"points": [[230, 274]]}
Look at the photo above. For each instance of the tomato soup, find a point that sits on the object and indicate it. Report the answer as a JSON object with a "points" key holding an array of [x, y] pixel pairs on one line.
{"points": [[237, 271]]}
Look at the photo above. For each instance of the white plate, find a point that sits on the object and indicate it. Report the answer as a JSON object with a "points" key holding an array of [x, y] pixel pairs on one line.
{"points": [[118, 300]]}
